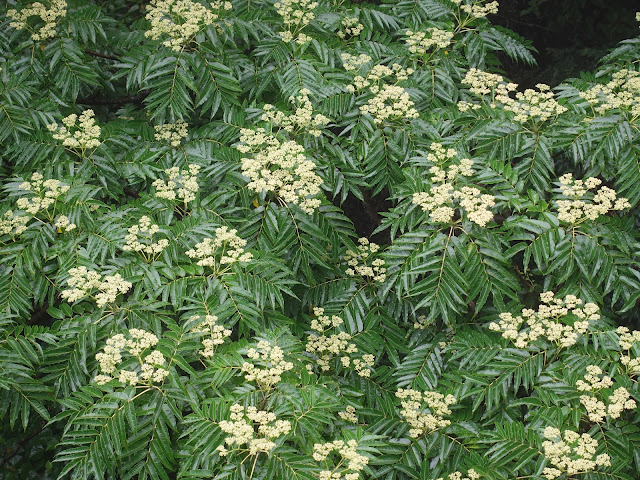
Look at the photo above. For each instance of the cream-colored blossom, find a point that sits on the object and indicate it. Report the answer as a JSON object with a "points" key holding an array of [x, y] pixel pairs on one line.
{"points": [[351, 27], [84, 282], [440, 201], [597, 406], [140, 239], [77, 133], [471, 475], [181, 184], [347, 467], [546, 323], [181, 20], [296, 14], [477, 10], [349, 414], [363, 262], [221, 251], [622, 92], [215, 333], [424, 411], [266, 366], [420, 42], [627, 340], [390, 104], [581, 204], [325, 346], [302, 120], [49, 11], [12, 223], [280, 167], [121, 347], [63, 224], [254, 430], [171, 132], [44, 193], [571, 453]]}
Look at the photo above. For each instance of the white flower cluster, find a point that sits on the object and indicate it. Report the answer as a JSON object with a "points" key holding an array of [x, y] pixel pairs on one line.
{"points": [[583, 204], [594, 381], [349, 414], [77, 132], [545, 322], [301, 120], [50, 15], [144, 231], [420, 42], [326, 347], [268, 365], [571, 453], [352, 27], [281, 168], [348, 467], [351, 62], [622, 92], [422, 322], [627, 340], [375, 79], [83, 281], [424, 411], [440, 200], [221, 251], [171, 132], [471, 475], [182, 184], [45, 193], [296, 14], [531, 104], [150, 369], [477, 10], [13, 224], [180, 20], [360, 264], [539, 105], [390, 103], [242, 430], [63, 224], [217, 334]]}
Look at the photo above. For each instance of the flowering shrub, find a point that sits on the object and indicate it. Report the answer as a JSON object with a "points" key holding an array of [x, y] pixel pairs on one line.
{"points": [[312, 240]]}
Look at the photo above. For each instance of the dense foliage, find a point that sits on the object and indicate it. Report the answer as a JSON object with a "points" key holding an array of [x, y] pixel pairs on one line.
{"points": [[184, 293]]}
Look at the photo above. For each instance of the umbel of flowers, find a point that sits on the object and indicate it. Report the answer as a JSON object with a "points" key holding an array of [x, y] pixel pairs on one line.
{"points": [[546, 323], [133, 351], [362, 263], [140, 239], [302, 120], [296, 14], [266, 366], [49, 12], [424, 411], [181, 20], [280, 167], [214, 333], [581, 204], [347, 467], [77, 134], [221, 251], [627, 340], [255, 430], [181, 184], [44, 193], [85, 282], [535, 105], [445, 193], [171, 132], [597, 406], [325, 347], [571, 453]]}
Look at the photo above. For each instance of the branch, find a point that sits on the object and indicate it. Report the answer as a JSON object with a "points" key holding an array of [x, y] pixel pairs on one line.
{"points": [[101, 55]]}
